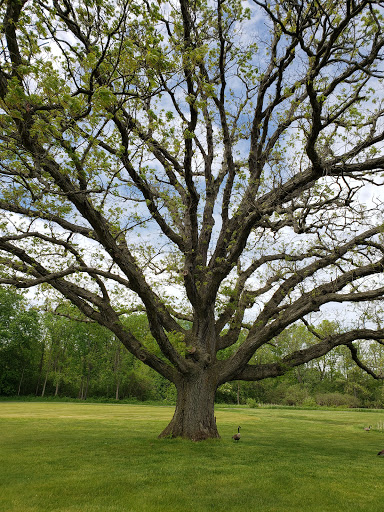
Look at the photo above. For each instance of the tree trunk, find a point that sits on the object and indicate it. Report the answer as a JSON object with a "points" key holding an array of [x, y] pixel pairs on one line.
{"points": [[45, 383], [20, 381], [40, 368], [116, 369], [47, 372], [57, 385], [85, 396], [81, 390], [194, 416]]}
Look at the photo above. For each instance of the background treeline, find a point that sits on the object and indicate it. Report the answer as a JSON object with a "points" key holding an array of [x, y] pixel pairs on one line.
{"points": [[49, 355]]}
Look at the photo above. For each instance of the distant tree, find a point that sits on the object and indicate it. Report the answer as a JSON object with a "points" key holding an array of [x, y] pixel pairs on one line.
{"points": [[78, 355], [84, 359], [202, 161], [20, 340]]}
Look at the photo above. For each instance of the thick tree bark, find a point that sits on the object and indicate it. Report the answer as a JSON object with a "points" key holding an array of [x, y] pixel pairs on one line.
{"points": [[194, 416]]}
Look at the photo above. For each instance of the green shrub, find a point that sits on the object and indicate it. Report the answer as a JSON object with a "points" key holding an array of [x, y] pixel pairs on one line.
{"points": [[309, 402], [295, 395], [337, 400]]}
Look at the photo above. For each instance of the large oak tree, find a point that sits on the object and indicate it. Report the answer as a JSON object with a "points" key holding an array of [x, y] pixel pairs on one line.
{"points": [[203, 161]]}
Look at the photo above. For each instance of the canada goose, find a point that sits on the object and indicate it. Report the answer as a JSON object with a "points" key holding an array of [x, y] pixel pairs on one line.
{"points": [[381, 453], [368, 428], [237, 436]]}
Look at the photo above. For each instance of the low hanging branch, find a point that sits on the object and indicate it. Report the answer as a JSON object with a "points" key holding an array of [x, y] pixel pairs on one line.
{"points": [[360, 364]]}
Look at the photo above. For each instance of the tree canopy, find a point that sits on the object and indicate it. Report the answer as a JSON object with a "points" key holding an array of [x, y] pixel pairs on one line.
{"points": [[215, 164]]}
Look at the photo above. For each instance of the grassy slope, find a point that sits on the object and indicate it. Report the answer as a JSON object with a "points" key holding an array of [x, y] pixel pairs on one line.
{"points": [[89, 458]]}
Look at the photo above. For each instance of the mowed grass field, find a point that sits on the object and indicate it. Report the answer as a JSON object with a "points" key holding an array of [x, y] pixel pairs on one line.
{"points": [[90, 457]]}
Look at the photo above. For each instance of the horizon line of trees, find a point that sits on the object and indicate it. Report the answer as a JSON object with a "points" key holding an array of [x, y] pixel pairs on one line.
{"points": [[46, 354]]}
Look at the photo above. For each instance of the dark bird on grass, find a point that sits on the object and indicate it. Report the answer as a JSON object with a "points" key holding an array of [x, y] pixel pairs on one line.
{"points": [[368, 428], [381, 453], [237, 436]]}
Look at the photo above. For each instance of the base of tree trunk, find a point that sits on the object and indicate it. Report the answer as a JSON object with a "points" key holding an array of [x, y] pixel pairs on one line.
{"points": [[194, 416]]}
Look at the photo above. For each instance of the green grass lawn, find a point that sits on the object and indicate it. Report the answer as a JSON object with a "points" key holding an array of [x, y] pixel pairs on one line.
{"points": [[87, 457]]}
